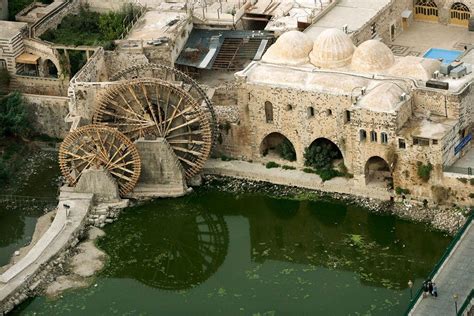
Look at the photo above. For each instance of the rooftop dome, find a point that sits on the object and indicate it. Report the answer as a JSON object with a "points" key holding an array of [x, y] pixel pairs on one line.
{"points": [[383, 98], [415, 68], [332, 49], [291, 48], [372, 56]]}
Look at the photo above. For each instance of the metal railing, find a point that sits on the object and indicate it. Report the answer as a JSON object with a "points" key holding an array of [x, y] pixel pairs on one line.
{"points": [[440, 263], [467, 171], [466, 304]]}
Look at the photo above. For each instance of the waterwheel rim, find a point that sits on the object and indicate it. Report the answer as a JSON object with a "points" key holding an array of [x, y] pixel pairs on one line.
{"points": [[96, 146], [153, 108], [174, 76]]}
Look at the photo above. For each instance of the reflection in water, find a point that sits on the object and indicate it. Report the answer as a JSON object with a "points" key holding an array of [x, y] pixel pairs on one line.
{"points": [[180, 250], [268, 256]]}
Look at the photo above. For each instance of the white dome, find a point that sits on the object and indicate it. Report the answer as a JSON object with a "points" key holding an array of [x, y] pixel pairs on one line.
{"points": [[415, 68], [383, 98], [291, 48], [332, 49], [372, 56]]}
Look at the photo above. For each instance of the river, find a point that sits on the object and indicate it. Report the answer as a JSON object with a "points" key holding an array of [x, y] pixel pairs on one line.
{"points": [[221, 253]]}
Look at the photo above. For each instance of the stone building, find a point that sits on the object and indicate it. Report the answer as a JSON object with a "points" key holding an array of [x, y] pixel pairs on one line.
{"points": [[374, 107], [455, 12]]}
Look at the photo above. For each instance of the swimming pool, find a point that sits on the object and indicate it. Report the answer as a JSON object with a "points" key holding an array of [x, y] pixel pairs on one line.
{"points": [[448, 56]]}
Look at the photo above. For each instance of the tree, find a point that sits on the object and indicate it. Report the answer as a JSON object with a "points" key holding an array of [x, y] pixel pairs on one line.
{"points": [[13, 116], [320, 156]]}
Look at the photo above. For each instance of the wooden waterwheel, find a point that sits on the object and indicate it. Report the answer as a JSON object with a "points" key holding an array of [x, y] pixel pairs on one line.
{"points": [[100, 147], [176, 77], [152, 108]]}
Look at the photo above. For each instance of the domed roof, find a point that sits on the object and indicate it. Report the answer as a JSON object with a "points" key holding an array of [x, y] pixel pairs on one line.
{"points": [[291, 48], [383, 98], [372, 56], [415, 68], [332, 49]]}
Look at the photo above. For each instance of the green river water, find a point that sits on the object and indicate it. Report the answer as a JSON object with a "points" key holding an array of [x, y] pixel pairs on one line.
{"points": [[218, 253]]}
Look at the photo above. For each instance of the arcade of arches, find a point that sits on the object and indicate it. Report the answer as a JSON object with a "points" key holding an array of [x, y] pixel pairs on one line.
{"points": [[277, 146], [457, 13]]}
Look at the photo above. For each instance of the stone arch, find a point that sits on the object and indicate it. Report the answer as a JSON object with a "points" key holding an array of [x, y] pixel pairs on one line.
{"points": [[274, 143], [459, 14], [338, 155], [426, 10], [50, 69], [377, 172]]}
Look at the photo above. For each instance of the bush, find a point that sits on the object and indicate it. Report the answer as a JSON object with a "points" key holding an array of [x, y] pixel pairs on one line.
{"points": [[471, 195], [286, 150], [328, 174], [309, 170], [272, 164], [320, 156], [4, 172], [4, 81], [424, 171], [471, 181], [401, 191], [285, 167], [226, 158], [13, 116]]}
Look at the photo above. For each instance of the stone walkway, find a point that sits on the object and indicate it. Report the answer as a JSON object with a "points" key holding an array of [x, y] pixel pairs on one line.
{"points": [[258, 172], [456, 276], [65, 226]]}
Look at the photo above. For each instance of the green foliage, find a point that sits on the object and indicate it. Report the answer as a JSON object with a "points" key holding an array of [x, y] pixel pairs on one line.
{"points": [[272, 164], [309, 170], [328, 174], [463, 180], [13, 116], [91, 28], [471, 181], [471, 195], [424, 171], [286, 150], [285, 167], [15, 6], [401, 191], [320, 156], [4, 171], [226, 158]]}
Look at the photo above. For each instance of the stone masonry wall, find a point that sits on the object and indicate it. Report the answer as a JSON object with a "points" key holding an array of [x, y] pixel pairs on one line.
{"points": [[48, 114]]}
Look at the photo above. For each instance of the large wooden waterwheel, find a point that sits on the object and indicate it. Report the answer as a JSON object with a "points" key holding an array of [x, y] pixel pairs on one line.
{"points": [[100, 147], [152, 108], [177, 78]]}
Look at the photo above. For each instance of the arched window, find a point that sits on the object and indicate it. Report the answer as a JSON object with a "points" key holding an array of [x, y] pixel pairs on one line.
{"points": [[426, 10], [362, 135], [268, 112], [373, 136], [460, 14], [310, 112], [384, 138]]}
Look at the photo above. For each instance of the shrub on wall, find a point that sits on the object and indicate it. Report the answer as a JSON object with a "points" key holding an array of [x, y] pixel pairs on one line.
{"points": [[13, 116], [272, 164], [286, 150], [424, 171]]}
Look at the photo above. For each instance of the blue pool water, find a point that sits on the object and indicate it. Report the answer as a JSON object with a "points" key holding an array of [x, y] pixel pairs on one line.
{"points": [[448, 56]]}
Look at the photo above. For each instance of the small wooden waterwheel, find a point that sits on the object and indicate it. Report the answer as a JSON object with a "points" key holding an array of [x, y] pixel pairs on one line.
{"points": [[100, 146], [152, 108]]}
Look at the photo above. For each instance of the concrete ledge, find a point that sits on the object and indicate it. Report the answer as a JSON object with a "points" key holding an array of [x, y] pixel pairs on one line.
{"points": [[296, 178]]}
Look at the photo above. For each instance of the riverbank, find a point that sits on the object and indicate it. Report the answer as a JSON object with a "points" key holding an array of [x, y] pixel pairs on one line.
{"points": [[445, 219]]}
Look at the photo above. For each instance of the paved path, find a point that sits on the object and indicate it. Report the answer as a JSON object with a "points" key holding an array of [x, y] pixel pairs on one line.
{"points": [[65, 225], [456, 276], [297, 178]]}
